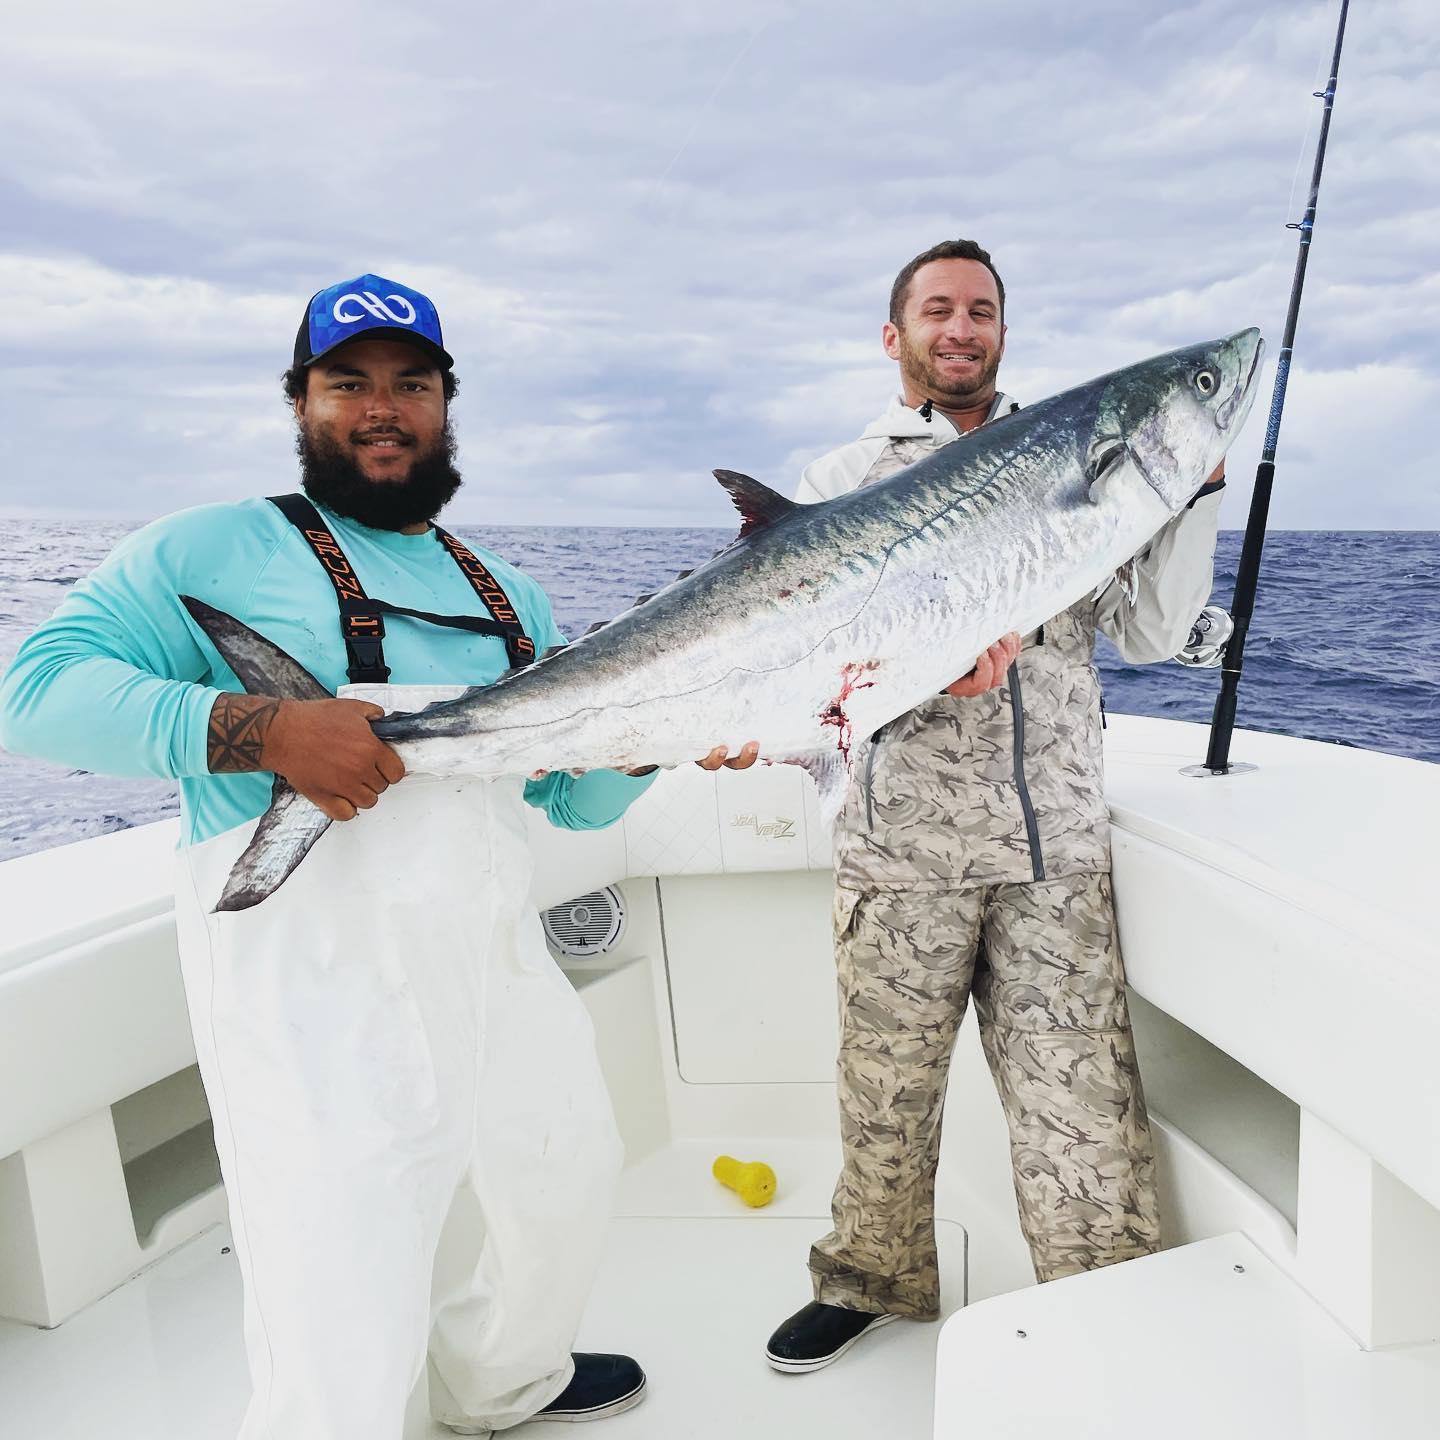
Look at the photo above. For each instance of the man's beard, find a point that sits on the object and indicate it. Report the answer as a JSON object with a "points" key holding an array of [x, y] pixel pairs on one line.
{"points": [[332, 479], [919, 370]]}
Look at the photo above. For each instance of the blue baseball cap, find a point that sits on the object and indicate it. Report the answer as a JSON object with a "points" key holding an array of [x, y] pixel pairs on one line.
{"points": [[372, 306]]}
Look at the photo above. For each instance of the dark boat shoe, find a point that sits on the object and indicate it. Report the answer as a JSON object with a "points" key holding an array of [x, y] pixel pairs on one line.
{"points": [[602, 1385], [818, 1336]]}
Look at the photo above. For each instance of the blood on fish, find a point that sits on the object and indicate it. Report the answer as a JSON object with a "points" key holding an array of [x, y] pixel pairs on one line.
{"points": [[834, 711]]}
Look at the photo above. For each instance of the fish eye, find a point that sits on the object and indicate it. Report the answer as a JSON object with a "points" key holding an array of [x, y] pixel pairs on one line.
{"points": [[1207, 381]]}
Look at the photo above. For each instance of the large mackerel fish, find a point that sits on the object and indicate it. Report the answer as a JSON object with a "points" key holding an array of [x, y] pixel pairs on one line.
{"points": [[820, 623]]}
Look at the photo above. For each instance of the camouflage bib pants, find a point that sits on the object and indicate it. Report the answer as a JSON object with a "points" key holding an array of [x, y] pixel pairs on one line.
{"points": [[1041, 962]]}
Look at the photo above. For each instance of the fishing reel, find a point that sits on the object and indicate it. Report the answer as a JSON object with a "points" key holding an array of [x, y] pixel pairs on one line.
{"points": [[1211, 632]]}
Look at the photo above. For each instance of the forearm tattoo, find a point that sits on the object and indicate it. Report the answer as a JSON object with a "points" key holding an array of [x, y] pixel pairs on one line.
{"points": [[238, 726]]}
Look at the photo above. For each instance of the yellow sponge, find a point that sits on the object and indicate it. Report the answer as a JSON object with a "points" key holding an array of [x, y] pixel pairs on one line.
{"points": [[754, 1183]]}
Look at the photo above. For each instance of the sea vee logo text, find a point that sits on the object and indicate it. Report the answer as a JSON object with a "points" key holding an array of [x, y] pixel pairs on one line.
{"points": [[777, 829]]}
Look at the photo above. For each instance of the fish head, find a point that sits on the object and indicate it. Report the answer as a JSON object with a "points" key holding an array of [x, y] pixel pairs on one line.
{"points": [[1171, 419]]}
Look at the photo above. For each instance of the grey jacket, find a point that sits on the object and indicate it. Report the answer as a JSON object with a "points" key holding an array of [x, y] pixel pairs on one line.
{"points": [[1009, 785]]}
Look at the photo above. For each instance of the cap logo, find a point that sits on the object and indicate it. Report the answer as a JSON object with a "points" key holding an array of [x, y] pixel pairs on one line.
{"points": [[369, 301]]}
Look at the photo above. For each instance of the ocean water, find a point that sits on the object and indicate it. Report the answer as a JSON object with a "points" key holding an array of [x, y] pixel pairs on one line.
{"points": [[1344, 647]]}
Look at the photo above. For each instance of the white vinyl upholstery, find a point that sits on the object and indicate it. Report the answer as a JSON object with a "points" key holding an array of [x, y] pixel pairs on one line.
{"points": [[91, 1007]]}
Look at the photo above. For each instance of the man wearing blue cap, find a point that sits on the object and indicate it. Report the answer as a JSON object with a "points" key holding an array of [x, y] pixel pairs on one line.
{"points": [[384, 1060]]}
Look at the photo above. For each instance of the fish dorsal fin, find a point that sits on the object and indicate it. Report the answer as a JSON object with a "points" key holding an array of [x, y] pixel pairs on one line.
{"points": [[758, 504], [516, 671], [598, 625], [645, 599]]}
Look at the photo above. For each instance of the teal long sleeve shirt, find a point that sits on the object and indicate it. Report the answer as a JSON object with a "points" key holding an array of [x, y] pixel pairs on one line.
{"points": [[121, 680]]}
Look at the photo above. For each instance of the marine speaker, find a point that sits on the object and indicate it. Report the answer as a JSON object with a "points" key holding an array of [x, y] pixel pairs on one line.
{"points": [[587, 925]]}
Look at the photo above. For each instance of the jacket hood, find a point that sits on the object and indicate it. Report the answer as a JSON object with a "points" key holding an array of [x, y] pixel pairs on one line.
{"points": [[901, 422]]}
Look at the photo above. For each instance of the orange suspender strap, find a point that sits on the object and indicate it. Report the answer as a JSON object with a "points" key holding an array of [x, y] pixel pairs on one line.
{"points": [[518, 645], [362, 625]]}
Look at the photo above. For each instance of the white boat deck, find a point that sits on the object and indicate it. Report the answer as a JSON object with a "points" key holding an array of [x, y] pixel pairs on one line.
{"points": [[1184, 1344], [693, 1296]]}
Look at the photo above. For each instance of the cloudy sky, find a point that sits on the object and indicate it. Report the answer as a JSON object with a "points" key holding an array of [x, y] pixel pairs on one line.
{"points": [[661, 235]]}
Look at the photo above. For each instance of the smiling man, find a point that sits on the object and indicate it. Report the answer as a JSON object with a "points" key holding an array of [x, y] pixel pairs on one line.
{"points": [[972, 856], [387, 1034]]}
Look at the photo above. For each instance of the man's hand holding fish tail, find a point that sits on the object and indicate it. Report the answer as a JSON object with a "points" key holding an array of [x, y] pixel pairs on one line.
{"points": [[325, 749]]}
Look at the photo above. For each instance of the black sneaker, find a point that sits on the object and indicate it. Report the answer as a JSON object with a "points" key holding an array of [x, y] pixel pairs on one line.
{"points": [[818, 1336], [603, 1385]]}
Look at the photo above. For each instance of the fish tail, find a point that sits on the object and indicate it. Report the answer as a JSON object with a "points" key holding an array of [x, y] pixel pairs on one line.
{"points": [[282, 839], [292, 824], [261, 666]]}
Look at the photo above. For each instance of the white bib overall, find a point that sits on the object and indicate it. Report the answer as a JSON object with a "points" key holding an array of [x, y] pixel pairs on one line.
{"points": [[390, 1052]]}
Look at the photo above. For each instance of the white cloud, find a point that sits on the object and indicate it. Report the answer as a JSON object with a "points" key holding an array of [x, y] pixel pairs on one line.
{"points": [[662, 234], [1356, 450], [75, 305]]}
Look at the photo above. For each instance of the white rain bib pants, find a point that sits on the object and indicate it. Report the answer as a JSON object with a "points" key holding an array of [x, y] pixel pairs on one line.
{"points": [[388, 1046]]}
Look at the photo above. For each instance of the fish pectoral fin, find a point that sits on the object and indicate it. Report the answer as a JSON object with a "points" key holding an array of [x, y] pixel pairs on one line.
{"points": [[758, 504], [262, 666], [283, 838], [830, 771]]}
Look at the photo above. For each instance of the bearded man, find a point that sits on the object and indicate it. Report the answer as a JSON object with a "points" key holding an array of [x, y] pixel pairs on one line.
{"points": [[387, 1034], [972, 857]]}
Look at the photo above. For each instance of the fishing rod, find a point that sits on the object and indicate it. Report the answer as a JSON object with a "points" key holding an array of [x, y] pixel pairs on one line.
{"points": [[1247, 574]]}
